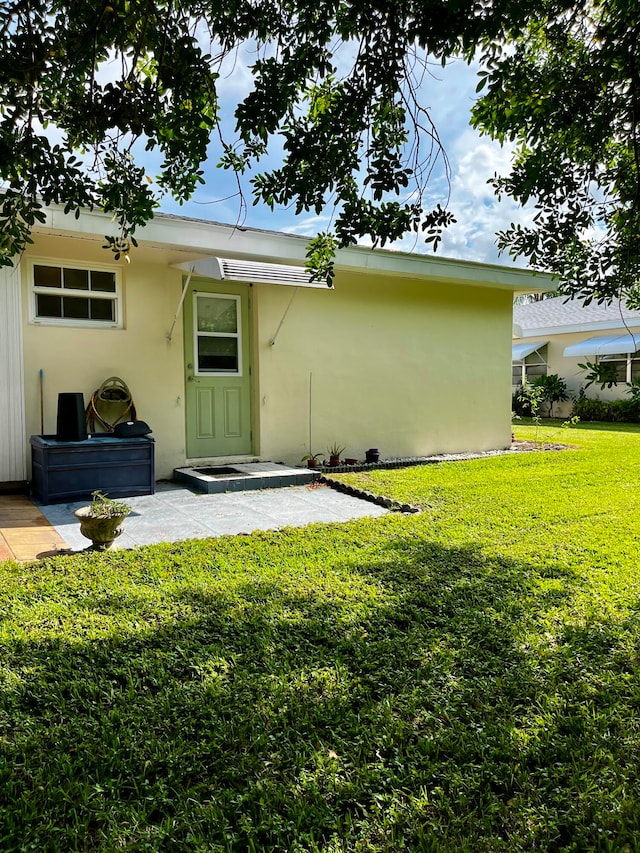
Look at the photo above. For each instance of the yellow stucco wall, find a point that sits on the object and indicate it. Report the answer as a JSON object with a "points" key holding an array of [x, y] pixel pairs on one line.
{"points": [[409, 367], [79, 359]]}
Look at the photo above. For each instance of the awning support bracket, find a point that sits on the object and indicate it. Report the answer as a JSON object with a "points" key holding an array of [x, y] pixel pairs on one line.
{"points": [[180, 304], [286, 311]]}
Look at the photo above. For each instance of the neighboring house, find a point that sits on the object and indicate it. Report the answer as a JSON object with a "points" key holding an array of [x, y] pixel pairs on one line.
{"points": [[556, 335], [229, 350]]}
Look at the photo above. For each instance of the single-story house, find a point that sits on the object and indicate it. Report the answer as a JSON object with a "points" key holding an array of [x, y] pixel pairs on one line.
{"points": [[555, 336], [231, 353]]}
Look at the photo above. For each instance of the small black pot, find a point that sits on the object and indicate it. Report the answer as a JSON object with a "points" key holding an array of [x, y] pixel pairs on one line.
{"points": [[372, 455]]}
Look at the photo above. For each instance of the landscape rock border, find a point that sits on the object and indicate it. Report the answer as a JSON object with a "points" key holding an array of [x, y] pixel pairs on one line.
{"points": [[380, 500]]}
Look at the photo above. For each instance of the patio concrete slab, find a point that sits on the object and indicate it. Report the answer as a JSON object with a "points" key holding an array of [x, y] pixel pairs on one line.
{"points": [[175, 513]]}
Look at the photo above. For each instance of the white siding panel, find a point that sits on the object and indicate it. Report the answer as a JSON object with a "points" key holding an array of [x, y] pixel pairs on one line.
{"points": [[12, 420]]}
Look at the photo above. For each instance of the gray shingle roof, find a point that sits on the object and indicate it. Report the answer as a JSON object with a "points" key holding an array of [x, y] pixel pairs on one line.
{"points": [[558, 312]]}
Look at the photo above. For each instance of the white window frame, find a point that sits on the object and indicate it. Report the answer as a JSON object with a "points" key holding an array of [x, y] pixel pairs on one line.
{"points": [[61, 264], [237, 334], [523, 364], [628, 358]]}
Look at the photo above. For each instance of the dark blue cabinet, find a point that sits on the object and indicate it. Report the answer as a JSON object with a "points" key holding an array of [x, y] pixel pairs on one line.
{"points": [[72, 470]]}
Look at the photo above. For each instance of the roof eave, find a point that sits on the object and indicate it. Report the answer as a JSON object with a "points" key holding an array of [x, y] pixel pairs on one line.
{"points": [[203, 239], [578, 328]]}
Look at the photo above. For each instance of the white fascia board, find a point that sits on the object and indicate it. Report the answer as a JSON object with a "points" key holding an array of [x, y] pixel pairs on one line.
{"points": [[202, 238], [206, 239], [579, 328], [445, 270]]}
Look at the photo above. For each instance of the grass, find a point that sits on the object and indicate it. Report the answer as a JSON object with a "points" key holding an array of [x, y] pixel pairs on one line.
{"points": [[465, 679]]}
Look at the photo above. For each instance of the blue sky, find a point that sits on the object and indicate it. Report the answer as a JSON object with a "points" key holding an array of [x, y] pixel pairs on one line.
{"points": [[449, 93]]}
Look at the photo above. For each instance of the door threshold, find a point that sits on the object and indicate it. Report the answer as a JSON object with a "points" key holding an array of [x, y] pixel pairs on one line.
{"points": [[201, 461]]}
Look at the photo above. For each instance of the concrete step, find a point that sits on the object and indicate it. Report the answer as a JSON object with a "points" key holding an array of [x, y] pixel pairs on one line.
{"points": [[239, 477]]}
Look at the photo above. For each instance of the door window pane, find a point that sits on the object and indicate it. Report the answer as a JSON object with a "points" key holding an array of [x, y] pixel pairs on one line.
{"points": [[219, 354], [217, 339], [217, 314]]}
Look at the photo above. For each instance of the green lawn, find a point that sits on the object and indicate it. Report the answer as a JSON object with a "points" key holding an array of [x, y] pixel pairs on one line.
{"points": [[464, 679]]}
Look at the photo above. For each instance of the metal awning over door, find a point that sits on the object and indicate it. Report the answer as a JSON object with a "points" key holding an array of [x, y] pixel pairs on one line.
{"points": [[254, 272]]}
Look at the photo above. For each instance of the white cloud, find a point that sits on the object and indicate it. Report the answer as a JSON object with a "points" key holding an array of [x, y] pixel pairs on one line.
{"points": [[478, 211], [309, 226], [473, 160]]}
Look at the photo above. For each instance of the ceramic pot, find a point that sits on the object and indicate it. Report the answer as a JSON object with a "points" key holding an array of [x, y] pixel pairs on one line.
{"points": [[372, 455], [101, 531]]}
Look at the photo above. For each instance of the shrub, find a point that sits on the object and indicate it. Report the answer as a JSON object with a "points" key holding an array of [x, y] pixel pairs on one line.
{"points": [[629, 410], [610, 411], [522, 401], [552, 389], [529, 396]]}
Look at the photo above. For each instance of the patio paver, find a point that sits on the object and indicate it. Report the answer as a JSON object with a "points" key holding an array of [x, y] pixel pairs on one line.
{"points": [[25, 533]]}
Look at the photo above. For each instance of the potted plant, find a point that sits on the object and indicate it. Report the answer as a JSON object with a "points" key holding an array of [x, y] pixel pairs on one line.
{"points": [[102, 520], [334, 454], [312, 459]]}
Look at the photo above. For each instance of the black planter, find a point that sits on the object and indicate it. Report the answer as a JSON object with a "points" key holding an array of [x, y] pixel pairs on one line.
{"points": [[372, 455]]}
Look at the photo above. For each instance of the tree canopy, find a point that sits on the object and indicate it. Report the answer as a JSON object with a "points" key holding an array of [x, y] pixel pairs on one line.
{"points": [[86, 89], [567, 92]]}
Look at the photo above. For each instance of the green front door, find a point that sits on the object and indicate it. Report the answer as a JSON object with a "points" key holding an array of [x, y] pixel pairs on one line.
{"points": [[218, 375]]}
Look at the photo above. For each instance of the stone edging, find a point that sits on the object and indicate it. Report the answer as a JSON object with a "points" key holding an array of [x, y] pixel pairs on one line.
{"points": [[380, 500]]}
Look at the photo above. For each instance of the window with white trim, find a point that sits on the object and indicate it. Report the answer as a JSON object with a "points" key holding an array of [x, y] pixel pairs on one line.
{"points": [[627, 365], [64, 294], [530, 368], [217, 334]]}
